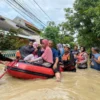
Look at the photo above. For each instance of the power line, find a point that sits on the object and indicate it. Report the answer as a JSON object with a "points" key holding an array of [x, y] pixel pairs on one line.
{"points": [[33, 9], [42, 9], [15, 9], [28, 12], [23, 10], [25, 5]]}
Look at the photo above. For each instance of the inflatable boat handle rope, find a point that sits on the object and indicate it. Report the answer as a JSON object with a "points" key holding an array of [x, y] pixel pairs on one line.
{"points": [[6, 69]]}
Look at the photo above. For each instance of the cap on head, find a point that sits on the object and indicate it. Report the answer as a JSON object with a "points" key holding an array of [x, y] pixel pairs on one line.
{"points": [[64, 45], [67, 45]]}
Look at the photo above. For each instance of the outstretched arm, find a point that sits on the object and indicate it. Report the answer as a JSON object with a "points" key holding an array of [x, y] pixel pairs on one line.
{"points": [[37, 59], [56, 63], [97, 60]]}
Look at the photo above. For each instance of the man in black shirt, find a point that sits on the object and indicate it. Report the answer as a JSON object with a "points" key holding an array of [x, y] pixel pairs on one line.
{"points": [[26, 50]]}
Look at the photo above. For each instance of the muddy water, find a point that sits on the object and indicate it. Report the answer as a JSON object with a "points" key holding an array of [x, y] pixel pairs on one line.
{"points": [[82, 85]]}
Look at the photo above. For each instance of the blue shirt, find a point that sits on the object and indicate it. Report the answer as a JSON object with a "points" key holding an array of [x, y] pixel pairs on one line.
{"points": [[75, 52], [55, 54], [95, 64]]}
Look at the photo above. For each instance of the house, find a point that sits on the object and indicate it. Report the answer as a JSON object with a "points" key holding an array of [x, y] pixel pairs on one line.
{"points": [[28, 30], [7, 24]]}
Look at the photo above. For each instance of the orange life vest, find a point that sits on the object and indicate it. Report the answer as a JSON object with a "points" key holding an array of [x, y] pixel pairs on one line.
{"points": [[66, 57], [18, 55]]}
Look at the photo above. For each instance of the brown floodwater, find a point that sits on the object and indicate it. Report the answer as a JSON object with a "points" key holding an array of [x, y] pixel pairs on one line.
{"points": [[82, 85]]}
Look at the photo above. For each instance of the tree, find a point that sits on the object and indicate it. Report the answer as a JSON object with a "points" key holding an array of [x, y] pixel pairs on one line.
{"points": [[84, 20], [51, 32], [57, 35], [7, 40], [66, 39], [10, 41]]}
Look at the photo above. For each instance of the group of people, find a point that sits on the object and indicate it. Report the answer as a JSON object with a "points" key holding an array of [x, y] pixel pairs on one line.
{"points": [[81, 58], [46, 55]]}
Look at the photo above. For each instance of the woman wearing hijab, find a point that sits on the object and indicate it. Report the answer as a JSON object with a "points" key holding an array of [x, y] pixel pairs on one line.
{"points": [[82, 59], [37, 52], [33, 55], [47, 56], [60, 50]]}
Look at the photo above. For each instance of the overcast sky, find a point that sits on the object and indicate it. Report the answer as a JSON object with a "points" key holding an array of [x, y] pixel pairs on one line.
{"points": [[53, 8]]}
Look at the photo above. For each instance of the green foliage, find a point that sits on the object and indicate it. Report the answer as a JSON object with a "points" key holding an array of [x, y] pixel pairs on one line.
{"points": [[57, 34], [84, 20], [67, 39], [6, 41], [51, 32], [9, 41]]}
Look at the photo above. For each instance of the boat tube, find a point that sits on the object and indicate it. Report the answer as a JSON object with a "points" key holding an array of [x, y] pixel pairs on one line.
{"points": [[25, 70]]}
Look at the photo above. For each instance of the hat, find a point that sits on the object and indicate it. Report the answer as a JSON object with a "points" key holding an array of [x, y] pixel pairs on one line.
{"points": [[67, 45], [64, 45]]}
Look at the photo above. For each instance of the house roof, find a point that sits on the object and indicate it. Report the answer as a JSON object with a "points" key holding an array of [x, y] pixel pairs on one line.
{"points": [[28, 23]]}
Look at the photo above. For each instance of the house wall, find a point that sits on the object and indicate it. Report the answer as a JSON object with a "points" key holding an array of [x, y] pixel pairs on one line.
{"points": [[37, 38], [7, 24]]}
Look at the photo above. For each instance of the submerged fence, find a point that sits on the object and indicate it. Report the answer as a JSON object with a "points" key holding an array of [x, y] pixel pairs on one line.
{"points": [[9, 53]]}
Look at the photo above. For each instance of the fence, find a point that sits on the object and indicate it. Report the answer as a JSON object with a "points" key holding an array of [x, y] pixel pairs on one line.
{"points": [[9, 53]]}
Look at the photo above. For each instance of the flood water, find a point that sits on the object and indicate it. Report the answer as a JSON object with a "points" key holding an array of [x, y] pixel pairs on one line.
{"points": [[82, 85]]}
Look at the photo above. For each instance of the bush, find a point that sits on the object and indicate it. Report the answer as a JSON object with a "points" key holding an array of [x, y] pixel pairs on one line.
{"points": [[10, 41]]}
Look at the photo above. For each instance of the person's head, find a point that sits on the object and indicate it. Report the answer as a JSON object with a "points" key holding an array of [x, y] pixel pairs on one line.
{"points": [[45, 43], [59, 46], [30, 43], [75, 47], [39, 46], [50, 43], [82, 49], [35, 45], [66, 48], [95, 50], [64, 45]]}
